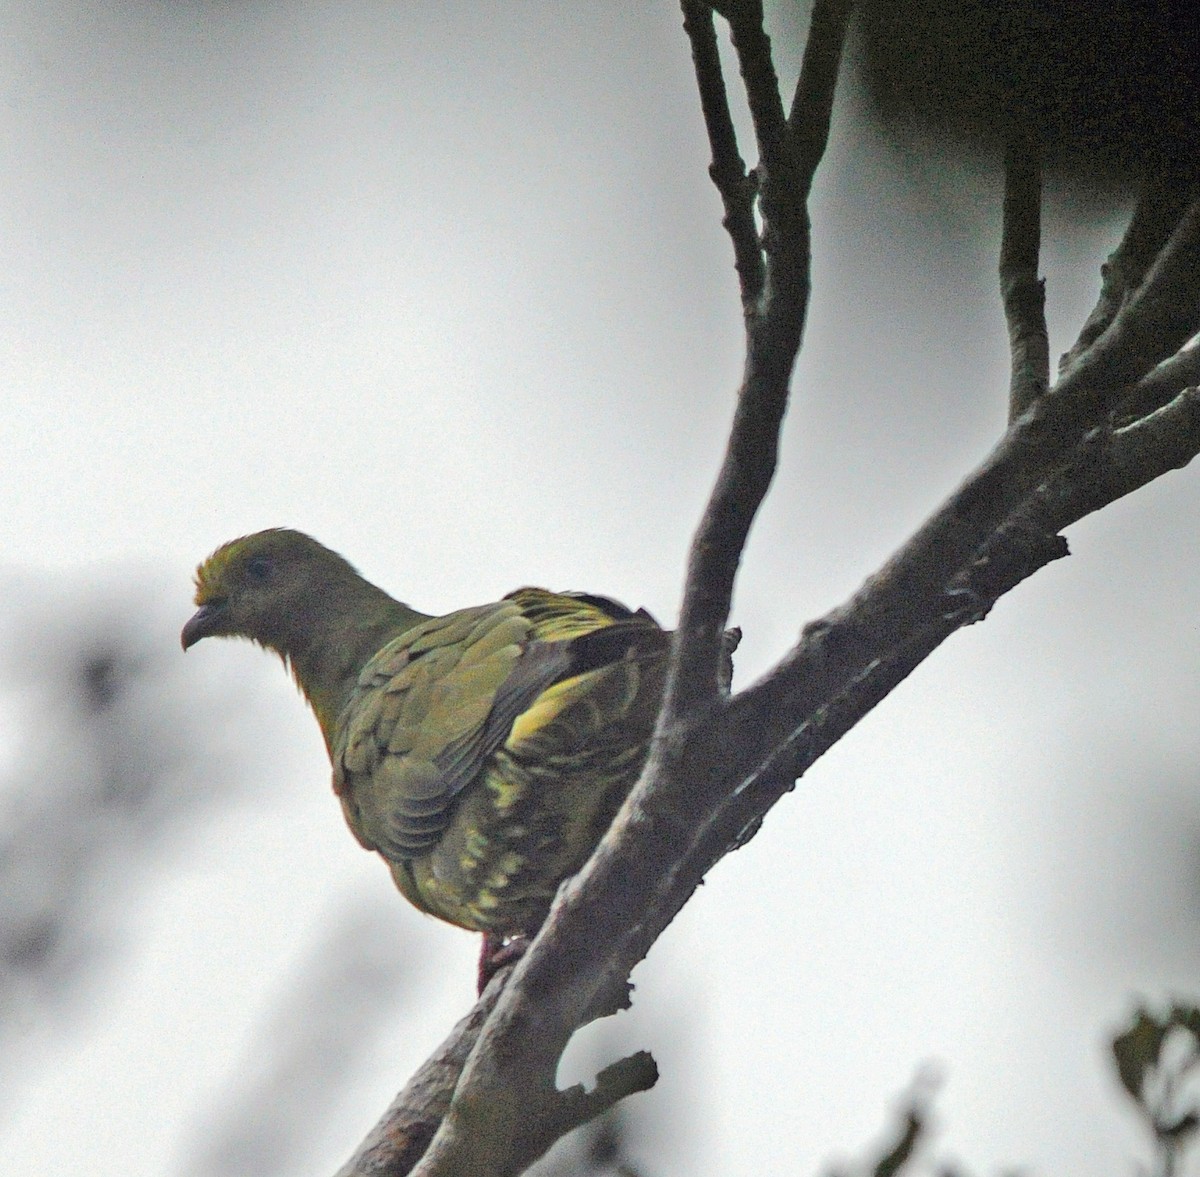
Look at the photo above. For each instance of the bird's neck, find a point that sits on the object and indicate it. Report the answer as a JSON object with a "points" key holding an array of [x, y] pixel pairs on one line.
{"points": [[340, 637]]}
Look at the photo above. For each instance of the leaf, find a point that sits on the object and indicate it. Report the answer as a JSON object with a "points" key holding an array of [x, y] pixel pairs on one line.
{"points": [[1187, 1017], [1181, 1129], [1136, 1051]]}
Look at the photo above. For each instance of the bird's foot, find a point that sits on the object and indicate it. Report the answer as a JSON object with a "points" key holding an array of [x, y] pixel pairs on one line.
{"points": [[496, 952]]}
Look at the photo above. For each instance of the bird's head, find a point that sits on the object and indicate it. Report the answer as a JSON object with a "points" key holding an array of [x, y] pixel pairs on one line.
{"points": [[267, 587]]}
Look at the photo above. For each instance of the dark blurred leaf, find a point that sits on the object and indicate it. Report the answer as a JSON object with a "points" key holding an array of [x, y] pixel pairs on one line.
{"points": [[1182, 1128], [1187, 1017], [1136, 1051], [907, 1132], [894, 1160]]}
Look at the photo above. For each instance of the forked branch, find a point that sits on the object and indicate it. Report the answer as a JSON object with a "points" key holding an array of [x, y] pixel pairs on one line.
{"points": [[774, 328], [718, 762]]}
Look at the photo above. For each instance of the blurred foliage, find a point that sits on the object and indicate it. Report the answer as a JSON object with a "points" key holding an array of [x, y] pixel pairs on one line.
{"points": [[102, 745], [1158, 1063], [309, 1046], [114, 745], [899, 1150]]}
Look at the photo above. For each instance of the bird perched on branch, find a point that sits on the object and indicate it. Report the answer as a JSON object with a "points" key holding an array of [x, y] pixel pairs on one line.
{"points": [[483, 753]]}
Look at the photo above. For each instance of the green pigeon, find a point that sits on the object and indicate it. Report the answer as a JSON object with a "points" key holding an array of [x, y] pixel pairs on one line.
{"points": [[483, 753]]}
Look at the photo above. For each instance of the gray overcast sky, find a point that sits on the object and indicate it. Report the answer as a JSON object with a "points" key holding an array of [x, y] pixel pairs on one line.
{"points": [[444, 284]]}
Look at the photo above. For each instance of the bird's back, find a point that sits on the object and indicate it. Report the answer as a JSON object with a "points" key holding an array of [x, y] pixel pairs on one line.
{"points": [[484, 753]]}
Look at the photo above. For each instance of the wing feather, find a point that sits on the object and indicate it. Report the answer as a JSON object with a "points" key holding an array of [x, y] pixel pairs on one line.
{"points": [[434, 705]]}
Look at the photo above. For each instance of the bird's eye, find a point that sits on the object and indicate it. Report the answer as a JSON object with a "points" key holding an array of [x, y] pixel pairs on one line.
{"points": [[258, 568]]}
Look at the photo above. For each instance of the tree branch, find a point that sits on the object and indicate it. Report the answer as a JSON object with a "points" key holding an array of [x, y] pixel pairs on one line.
{"points": [[773, 340], [910, 591], [1024, 294], [1108, 467], [1161, 315], [1128, 459], [486, 1138], [728, 170], [1162, 384], [1158, 211], [753, 48], [812, 103], [717, 762], [403, 1133]]}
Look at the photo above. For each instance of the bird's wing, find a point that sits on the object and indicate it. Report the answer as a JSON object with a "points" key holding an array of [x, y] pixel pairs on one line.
{"points": [[432, 705]]}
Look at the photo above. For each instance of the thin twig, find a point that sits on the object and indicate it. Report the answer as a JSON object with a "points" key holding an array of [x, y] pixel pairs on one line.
{"points": [[898, 1156], [1024, 295], [786, 168], [781, 194], [1109, 467], [1162, 384], [910, 590], [753, 48], [1160, 316], [728, 170], [1159, 209], [773, 340]]}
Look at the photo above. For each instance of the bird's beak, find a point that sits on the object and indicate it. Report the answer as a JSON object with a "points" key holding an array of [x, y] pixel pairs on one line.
{"points": [[205, 622]]}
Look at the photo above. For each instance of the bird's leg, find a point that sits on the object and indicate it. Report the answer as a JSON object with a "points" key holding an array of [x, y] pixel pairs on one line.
{"points": [[498, 951]]}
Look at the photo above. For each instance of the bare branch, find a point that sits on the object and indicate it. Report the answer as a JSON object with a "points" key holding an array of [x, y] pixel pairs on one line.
{"points": [[1129, 458], [909, 592], [500, 1123], [1162, 314], [773, 341], [728, 170], [404, 1131], [577, 1106], [901, 1152], [1159, 210], [1024, 294], [717, 763], [1162, 384], [753, 48], [1108, 467], [812, 104], [1019, 550]]}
